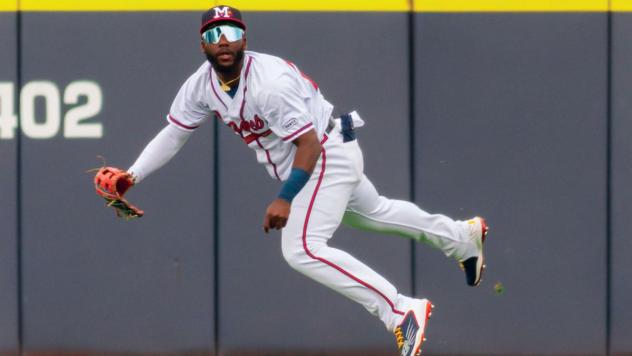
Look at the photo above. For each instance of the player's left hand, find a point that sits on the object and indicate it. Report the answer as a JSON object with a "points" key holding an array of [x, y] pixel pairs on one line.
{"points": [[111, 184], [276, 215]]}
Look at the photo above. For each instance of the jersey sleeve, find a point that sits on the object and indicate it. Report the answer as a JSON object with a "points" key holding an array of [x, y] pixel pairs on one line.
{"points": [[189, 108], [283, 106]]}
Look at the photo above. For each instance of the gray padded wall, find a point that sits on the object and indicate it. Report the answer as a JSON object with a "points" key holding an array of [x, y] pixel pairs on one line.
{"points": [[92, 281], [8, 196], [621, 228], [260, 295], [511, 125]]}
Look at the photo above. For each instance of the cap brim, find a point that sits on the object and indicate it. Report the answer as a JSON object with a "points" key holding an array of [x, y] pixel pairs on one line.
{"points": [[210, 22]]}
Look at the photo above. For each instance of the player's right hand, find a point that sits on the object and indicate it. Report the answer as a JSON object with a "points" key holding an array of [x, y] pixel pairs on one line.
{"points": [[276, 215]]}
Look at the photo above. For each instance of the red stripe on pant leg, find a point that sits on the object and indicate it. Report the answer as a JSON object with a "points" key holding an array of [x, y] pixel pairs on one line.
{"points": [[329, 263]]}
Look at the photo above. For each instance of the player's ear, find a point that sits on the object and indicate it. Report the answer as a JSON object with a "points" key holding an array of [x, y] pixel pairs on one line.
{"points": [[245, 45]]}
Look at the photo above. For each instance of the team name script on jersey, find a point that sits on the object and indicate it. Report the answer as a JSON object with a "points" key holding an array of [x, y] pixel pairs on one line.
{"points": [[248, 130]]}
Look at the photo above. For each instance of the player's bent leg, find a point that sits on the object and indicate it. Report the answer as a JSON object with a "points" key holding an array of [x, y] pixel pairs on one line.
{"points": [[368, 210], [343, 273], [315, 215], [462, 240]]}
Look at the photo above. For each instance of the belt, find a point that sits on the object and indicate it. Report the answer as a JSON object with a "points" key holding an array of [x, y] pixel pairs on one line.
{"points": [[347, 129]]}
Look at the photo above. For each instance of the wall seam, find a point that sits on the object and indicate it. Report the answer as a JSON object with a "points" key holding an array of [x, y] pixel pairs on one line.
{"points": [[609, 45], [216, 221], [18, 172], [411, 132]]}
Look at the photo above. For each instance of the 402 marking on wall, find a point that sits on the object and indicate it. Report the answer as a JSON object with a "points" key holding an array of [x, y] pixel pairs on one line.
{"points": [[77, 121]]}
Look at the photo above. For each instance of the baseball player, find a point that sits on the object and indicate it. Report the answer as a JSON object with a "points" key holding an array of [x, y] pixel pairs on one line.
{"points": [[281, 114]]}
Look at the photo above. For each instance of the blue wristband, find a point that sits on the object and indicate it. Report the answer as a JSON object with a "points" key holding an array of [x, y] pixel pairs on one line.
{"points": [[295, 182]]}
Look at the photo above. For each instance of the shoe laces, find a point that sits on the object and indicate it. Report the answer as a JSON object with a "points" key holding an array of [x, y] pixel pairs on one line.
{"points": [[400, 337]]}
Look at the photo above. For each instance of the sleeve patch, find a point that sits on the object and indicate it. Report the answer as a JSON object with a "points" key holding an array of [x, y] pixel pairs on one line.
{"points": [[290, 124]]}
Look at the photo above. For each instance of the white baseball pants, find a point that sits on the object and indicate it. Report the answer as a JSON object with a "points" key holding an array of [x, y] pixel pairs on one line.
{"points": [[337, 190]]}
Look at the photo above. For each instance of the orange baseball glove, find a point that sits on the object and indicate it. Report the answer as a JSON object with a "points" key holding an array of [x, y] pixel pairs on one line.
{"points": [[111, 184]]}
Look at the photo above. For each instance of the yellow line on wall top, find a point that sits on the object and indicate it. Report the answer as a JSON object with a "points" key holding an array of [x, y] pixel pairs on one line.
{"points": [[323, 5], [320, 5], [8, 5], [510, 5], [621, 5], [199, 5]]}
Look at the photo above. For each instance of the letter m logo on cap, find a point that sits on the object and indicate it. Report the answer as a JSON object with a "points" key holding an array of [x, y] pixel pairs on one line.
{"points": [[222, 12]]}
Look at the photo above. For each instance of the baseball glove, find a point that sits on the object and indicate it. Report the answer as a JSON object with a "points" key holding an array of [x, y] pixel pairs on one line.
{"points": [[111, 184]]}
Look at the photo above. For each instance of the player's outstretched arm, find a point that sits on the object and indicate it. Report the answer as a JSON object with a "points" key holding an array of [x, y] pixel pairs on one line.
{"points": [[307, 152], [159, 151]]}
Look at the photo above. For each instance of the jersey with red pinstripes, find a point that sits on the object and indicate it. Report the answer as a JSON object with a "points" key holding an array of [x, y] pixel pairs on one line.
{"points": [[274, 104]]}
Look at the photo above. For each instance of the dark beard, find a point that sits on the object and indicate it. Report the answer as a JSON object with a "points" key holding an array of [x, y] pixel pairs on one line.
{"points": [[239, 56]]}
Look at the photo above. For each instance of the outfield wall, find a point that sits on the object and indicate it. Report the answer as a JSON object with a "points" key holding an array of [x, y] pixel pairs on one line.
{"points": [[8, 194], [516, 113], [506, 104], [621, 226]]}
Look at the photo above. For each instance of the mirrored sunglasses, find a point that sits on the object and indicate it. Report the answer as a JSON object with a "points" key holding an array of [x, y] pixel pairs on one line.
{"points": [[231, 33]]}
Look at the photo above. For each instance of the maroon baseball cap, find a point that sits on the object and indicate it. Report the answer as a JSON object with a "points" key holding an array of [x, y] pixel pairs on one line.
{"points": [[221, 13]]}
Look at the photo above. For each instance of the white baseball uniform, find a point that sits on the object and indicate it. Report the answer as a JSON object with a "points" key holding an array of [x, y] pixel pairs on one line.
{"points": [[274, 104]]}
